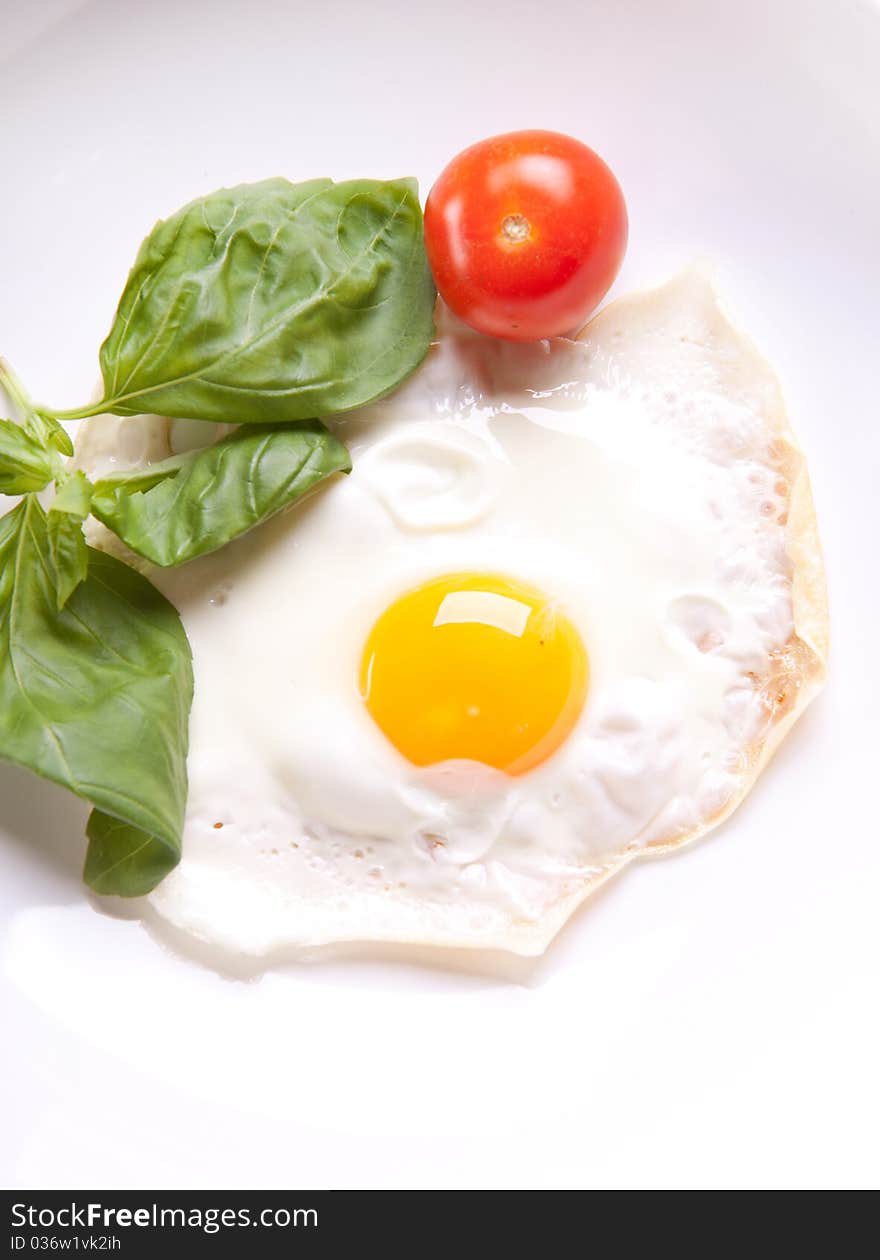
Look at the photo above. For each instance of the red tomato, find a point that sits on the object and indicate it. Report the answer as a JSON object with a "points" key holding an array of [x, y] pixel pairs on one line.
{"points": [[525, 233]]}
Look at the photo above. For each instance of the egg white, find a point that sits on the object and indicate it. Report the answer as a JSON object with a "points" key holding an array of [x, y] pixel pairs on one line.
{"points": [[638, 477]]}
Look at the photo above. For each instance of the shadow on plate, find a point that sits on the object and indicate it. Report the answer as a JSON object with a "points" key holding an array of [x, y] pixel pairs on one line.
{"points": [[393, 960], [47, 825]]}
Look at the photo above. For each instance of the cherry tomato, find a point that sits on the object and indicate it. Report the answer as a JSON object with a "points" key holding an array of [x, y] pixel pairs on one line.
{"points": [[525, 233]]}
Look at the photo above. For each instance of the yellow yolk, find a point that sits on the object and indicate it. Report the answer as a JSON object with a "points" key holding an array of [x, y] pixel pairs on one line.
{"points": [[475, 666]]}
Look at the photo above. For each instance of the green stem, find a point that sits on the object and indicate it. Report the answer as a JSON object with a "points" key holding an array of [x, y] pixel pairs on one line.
{"points": [[35, 420], [12, 386], [78, 413]]}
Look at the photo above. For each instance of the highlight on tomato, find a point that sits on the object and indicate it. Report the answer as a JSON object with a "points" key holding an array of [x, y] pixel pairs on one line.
{"points": [[525, 233]]}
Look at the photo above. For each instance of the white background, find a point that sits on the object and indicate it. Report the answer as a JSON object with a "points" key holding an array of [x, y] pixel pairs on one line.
{"points": [[709, 1019]]}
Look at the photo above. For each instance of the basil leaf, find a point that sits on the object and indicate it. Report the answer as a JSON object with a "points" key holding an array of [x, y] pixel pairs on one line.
{"points": [[272, 302], [96, 697], [68, 555], [195, 503], [123, 859], [74, 496], [68, 552], [48, 432], [25, 465], [44, 429]]}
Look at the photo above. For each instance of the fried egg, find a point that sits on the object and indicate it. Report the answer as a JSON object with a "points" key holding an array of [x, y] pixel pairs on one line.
{"points": [[559, 615]]}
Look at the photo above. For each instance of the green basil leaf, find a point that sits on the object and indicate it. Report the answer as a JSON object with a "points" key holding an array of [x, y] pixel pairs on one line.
{"points": [[123, 859], [194, 503], [273, 302], [74, 496], [68, 555], [68, 552], [48, 432], [96, 697], [25, 464], [132, 480]]}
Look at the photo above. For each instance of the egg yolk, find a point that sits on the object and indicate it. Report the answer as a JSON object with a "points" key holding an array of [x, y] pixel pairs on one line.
{"points": [[475, 666]]}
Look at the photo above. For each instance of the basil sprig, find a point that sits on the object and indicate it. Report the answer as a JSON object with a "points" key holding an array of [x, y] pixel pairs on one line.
{"points": [[263, 306], [96, 697]]}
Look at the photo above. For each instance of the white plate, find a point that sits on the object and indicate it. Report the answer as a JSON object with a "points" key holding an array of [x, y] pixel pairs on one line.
{"points": [[709, 1019]]}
